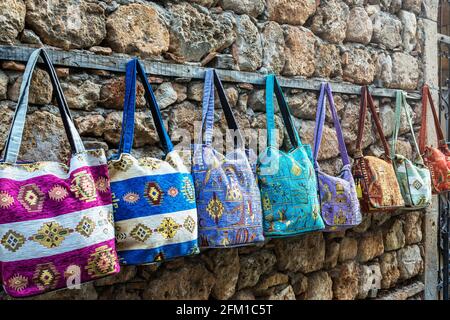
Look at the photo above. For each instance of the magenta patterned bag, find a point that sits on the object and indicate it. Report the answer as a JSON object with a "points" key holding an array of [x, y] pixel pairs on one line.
{"points": [[338, 198], [56, 223]]}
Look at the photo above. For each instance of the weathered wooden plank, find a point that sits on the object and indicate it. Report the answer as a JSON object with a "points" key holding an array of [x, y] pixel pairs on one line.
{"points": [[403, 293], [116, 63]]}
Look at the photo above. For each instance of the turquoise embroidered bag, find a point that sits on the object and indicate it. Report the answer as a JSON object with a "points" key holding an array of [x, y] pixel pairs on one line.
{"points": [[413, 177], [287, 181]]}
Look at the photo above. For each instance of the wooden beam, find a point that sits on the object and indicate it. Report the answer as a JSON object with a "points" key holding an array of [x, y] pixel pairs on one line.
{"points": [[116, 63], [404, 292], [444, 38]]}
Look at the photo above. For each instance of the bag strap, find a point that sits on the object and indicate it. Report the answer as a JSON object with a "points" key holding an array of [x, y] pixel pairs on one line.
{"points": [[400, 102], [212, 81], [320, 122], [272, 86], [14, 140], [134, 67], [366, 99], [426, 95]]}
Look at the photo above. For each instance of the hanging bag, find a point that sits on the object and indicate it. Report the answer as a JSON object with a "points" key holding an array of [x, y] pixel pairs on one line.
{"points": [[338, 199], [436, 159], [413, 177], [228, 200], [154, 200], [375, 179], [287, 180], [56, 225]]}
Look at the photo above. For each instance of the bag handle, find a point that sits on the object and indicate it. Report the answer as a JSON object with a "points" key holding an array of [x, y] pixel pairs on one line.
{"points": [[212, 81], [426, 95], [320, 122], [366, 99], [134, 67], [272, 86], [14, 140], [400, 101]]}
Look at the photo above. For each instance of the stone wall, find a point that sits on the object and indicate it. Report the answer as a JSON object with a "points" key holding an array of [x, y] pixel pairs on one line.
{"points": [[376, 42]]}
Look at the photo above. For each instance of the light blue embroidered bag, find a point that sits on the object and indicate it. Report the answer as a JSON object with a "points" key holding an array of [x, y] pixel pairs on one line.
{"points": [[154, 200], [228, 200], [287, 180]]}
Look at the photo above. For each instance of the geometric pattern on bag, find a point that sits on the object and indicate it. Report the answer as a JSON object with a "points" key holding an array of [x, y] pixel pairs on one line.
{"points": [[228, 199], [154, 199], [338, 198], [437, 159], [56, 223], [375, 179], [287, 180], [413, 177]]}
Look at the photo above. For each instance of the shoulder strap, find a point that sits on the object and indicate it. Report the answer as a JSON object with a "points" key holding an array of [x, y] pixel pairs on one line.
{"points": [[366, 99], [320, 122], [126, 142], [212, 80], [426, 95], [400, 102], [272, 86], [14, 140]]}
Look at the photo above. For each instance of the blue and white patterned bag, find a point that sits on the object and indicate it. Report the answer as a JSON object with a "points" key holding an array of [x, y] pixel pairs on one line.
{"points": [[154, 200]]}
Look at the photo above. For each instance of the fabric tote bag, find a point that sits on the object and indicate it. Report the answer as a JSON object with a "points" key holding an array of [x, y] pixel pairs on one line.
{"points": [[154, 200], [287, 180], [375, 179], [437, 159], [413, 177], [56, 223], [228, 200], [338, 199]]}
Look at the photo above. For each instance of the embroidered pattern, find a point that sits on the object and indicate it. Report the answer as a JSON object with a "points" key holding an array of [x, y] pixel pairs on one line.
{"points": [[101, 262], [85, 227], [296, 170], [123, 164], [168, 228], [12, 241], [83, 186], [141, 232], [234, 193], [51, 234], [188, 190], [173, 192], [32, 167], [58, 193], [417, 184], [115, 201], [96, 153], [153, 193], [18, 282], [46, 276], [31, 197], [6, 200], [150, 163], [189, 224], [215, 208], [160, 257], [102, 184], [131, 197]]}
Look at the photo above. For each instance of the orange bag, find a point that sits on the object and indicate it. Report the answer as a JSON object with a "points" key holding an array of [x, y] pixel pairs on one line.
{"points": [[436, 159]]}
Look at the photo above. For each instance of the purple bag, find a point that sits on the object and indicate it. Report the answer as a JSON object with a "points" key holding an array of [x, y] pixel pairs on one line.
{"points": [[338, 197]]}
